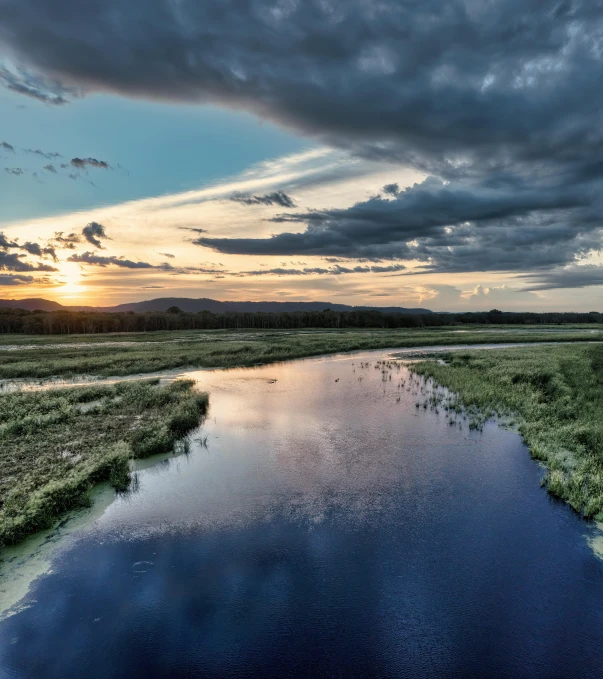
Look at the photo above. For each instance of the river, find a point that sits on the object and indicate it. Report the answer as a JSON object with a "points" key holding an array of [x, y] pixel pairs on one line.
{"points": [[321, 526]]}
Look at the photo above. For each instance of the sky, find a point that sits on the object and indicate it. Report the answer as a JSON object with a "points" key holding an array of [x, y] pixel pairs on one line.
{"points": [[443, 155]]}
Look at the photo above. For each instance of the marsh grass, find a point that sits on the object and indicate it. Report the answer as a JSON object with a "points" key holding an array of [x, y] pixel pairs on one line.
{"points": [[554, 394], [212, 349], [53, 448]]}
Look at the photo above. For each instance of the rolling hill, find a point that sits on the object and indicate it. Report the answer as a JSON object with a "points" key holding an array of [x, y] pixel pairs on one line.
{"points": [[203, 304]]}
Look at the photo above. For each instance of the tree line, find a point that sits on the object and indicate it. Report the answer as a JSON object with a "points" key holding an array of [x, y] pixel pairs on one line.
{"points": [[90, 322]]}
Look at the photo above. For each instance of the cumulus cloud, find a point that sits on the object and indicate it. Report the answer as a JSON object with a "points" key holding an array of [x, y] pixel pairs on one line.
{"points": [[84, 163], [499, 295], [5, 146], [67, 242], [97, 260], [5, 243], [39, 251], [279, 198], [20, 279], [50, 168], [17, 171], [32, 248], [391, 189], [16, 279], [93, 232], [15, 262], [481, 298]]}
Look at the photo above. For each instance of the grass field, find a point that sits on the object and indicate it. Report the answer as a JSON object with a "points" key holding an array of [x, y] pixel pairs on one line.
{"points": [[110, 355], [54, 445], [555, 395]]}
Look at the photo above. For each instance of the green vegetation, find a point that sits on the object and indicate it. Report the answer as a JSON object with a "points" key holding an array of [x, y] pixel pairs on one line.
{"points": [[54, 445], [228, 349], [555, 395]]}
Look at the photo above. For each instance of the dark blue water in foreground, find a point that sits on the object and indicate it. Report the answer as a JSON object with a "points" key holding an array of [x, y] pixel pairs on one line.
{"points": [[328, 530]]}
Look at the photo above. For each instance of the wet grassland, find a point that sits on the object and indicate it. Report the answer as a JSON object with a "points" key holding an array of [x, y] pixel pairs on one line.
{"points": [[55, 444], [129, 354]]}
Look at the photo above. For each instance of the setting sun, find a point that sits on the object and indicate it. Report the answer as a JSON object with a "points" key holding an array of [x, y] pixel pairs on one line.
{"points": [[71, 275]]}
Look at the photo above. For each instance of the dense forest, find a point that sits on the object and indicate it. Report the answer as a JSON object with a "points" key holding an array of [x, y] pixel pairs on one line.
{"points": [[90, 322]]}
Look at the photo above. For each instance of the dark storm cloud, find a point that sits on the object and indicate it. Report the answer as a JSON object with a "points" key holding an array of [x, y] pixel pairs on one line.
{"points": [[84, 163], [279, 198], [449, 227], [527, 243], [422, 81], [571, 277], [500, 98], [93, 232], [5, 146], [97, 260]]}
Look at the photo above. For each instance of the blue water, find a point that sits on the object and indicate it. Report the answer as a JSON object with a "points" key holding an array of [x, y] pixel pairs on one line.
{"points": [[328, 529]]}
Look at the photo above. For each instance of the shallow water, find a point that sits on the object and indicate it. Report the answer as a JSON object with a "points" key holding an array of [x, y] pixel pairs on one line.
{"points": [[329, 528]]}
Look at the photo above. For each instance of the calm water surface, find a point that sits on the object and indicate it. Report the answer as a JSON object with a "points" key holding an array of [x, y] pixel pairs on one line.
{"points": [[329, 529]]}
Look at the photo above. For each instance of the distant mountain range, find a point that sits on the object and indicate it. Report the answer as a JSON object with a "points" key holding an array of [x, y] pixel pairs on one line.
{"points": [[204, 304]]}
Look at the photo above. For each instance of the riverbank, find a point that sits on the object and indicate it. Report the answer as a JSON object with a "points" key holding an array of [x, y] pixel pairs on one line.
{"points": [[555, 396], [56, 444], [106, 356]]}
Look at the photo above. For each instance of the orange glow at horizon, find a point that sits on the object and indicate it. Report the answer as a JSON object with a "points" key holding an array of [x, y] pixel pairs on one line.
{"points": [[71, 275]]}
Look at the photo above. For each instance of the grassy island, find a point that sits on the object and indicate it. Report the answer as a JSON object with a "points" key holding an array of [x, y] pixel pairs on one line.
{"points": [[54, 445]]}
